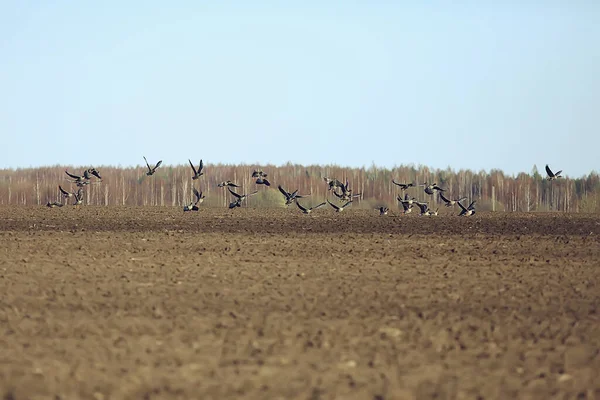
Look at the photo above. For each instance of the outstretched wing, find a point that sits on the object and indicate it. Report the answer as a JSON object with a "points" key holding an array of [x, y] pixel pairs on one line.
{"points": [[63, 191], [283, 192], [234, 193], [333, 205], [193, 168], [148, 165], [347, 204], [300, 207], [201, 166], [318, 205], [445, 199], [72, 176], [549, 171], [423, 207], [461, 206], [157, 165], [197, 194]]}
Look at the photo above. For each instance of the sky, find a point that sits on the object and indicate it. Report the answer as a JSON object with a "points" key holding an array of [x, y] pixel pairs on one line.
{"points": [[474, 85]]}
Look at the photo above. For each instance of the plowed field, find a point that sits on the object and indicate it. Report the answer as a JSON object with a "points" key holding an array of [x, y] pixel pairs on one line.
{"points": [[140, 303]]}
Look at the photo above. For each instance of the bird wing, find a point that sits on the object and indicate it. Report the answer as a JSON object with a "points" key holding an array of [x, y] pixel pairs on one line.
{"points": [[283, 192], [318, 205], [193, 168], [347, 204], [461, 206], [63, 191], [200, 166], [148, 165], [471, 205], [196, 193], [157, 165], [333, 205], [300, 207], [423, 207], [71, 175], [558, 173], [549, 171], [461, 199], [234, 193], [445, 199]]}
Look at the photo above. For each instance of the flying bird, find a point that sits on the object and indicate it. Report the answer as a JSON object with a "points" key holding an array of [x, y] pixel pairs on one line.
{"points": [[152, 170], [78, 180], [450, 203], [309, 209], [290, 197], [383, 210], [339, 208], [193, 206], [262, 181], [258, 173], [197, 172], [403, 186], [239, 198], [430, 188], [333, 183], [78, 197], [551, 175], [425, 209], [65, 193], [54, 204], [467, 211], [227, 183]]}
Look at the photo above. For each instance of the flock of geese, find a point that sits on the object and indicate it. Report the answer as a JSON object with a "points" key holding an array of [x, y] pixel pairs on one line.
{"points": [[342, 191]]}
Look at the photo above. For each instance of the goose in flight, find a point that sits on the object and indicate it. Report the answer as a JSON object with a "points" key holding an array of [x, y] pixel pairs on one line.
{"points": [[78, 197], [239, 198], [65, 193], [403, 186], [193, 206], [467, 211], [383, 210], [406, 207], [339, 208], [227, 183], [406, 200], [551, 175], [92, 171], [425, 210], [262, 181], [78, 180], [346, 194], [258, 173], [333, 183], [290, 197], [450, 203], [54, 204], [152, 170], [309, 209], [430, 188], [197, 172]]}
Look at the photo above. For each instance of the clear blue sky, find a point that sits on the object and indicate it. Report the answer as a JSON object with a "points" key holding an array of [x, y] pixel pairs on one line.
{"points": [[472, 84]]}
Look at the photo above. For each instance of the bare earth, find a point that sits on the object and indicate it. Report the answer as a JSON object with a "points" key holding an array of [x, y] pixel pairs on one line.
{"points": [[139, 303]]}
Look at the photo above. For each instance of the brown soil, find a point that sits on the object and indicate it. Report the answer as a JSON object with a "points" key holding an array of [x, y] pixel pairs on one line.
{"points": [[115, 303]]}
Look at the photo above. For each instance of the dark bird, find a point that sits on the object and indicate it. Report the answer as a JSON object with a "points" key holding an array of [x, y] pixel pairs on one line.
{"points": [[239, 198], [290, 197], [465, 212], [450, 203], [339, 208], [65, 193], [430, 188], [78, 197], [78, 180], [197, 172], [227, 183], [406, 200], [406, 207], [383, 210], [551, 175], [346, 194], [152, 170], [403, 186], [54, 204], [92, 171], [193, 206], [425, 210], [333, 183], [308, 210], [258, 173], [262, 181]]}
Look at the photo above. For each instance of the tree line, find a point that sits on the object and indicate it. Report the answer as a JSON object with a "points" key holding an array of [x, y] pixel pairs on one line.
{"points": [[172, 186]]}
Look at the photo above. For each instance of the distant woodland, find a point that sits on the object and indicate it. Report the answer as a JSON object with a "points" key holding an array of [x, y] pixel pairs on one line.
{"points": [[172, 186]]}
